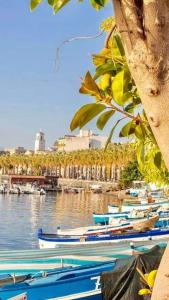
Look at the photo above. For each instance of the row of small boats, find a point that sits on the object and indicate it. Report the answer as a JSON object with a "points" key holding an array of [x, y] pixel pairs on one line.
{"points": [[133, 224], [70, 263], [78, 282]]}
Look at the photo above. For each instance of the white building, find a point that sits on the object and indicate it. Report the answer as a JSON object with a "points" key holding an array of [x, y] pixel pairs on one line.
{"points": [[85, 140], [40, 142]]}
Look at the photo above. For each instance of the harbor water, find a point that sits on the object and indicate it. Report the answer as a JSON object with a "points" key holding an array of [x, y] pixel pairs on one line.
{"points": [[22, 215]]}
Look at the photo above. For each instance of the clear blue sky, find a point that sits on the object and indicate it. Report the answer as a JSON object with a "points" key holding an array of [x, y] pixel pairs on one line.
{"points": [[33, 95]]}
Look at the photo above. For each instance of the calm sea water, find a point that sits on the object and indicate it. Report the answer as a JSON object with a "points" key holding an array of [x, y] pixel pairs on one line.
{"points": [[21, 216]]}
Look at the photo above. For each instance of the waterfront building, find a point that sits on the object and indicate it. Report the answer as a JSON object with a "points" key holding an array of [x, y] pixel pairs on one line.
{"points": [[40, 142], [18, 150], [29, 152], [84, 141]]}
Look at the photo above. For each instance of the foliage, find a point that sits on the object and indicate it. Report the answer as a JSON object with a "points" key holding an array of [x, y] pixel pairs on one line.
{"points": [[117, 155], [148, 280], [129, 173], [151, 164], [58, 4]]}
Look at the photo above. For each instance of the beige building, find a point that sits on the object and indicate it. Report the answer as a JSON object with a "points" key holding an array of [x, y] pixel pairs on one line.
{"points": [[85, 140], [29, 152], [18, 150]]}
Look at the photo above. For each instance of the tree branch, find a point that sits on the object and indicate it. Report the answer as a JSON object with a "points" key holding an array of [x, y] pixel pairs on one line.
{"points": [[76, 38], [109, 36], [125, 113]]}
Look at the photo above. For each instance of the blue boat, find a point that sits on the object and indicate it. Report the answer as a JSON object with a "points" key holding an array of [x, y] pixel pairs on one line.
{"points": [[56, 241], [104, 219], [142, 206], [27, 266], [82, 282]]}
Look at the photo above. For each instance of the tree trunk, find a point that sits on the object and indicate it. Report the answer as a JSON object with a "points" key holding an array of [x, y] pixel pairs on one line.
{"points": [[144, 28], [161, 286]]}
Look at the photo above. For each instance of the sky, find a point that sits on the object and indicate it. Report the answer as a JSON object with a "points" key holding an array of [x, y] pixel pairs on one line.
{"points": [[34, 95]]}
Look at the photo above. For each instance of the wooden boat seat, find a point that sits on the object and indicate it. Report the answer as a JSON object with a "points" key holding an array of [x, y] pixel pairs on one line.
{"points": [[82, 239]]}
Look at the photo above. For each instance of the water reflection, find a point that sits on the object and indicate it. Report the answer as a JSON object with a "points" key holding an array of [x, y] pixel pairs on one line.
{"points": [[21, 216]]}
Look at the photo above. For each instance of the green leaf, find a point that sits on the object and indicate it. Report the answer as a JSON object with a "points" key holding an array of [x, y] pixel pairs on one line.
{"points": [[105, 81], [51, 2], [140, 155], [111, 134], [144, 292], [34, 4], [117, 50], [127, 97], [130, 107], [120, 86], [128, 129], [103, 69], [158, 160], [85, 114], [100, 2], [104, 118], [140, 132], [59, 4], [89, 86], [119, 44], [95, 5], [134, 104], [99, 59], [136, 100]]}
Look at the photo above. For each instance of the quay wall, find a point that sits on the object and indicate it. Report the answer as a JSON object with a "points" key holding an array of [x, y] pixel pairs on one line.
{"points": [[62, 182], [85, 183]]}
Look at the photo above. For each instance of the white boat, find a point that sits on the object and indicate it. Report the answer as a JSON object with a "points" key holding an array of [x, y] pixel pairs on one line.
{"points": [[32, 190], [56, 241], [39, 192], [96, 188], [115, 225], [142, 206], [139, 188], [142, 189]]}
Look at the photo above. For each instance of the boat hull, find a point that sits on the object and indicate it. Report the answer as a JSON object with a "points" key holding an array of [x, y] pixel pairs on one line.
{"points": [[46, 241], [61, 286], [140, 207], [105, 218], [92, 295]]}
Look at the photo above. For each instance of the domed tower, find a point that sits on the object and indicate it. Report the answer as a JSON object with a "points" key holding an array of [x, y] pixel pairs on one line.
{"points": [[40, 142]]}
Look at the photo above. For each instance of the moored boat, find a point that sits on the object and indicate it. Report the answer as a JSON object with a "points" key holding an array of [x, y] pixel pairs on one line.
{"points": [[105, 219], [116, 225], [118, 250], [27, 266], [104, 281], [54, 240], [96, 188], [62, 283], [129, 207]]}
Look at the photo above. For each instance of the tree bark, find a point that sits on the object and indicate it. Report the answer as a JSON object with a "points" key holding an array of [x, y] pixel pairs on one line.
{"points": [[144, 28], [161, 286]]}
